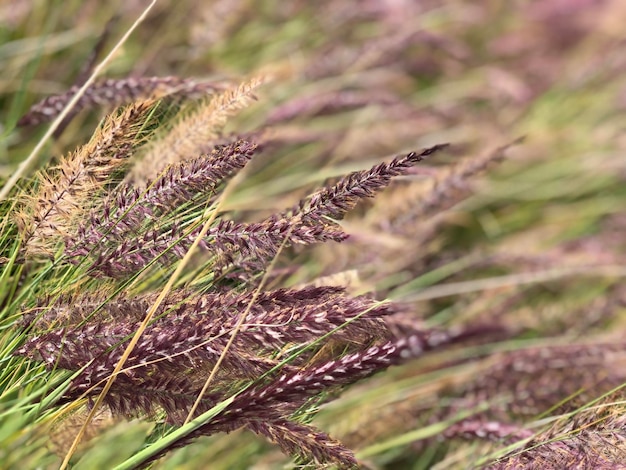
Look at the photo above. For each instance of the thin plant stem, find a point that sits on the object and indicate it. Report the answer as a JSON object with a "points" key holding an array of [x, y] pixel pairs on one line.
{"points": [[511, 280], [30, 160], [148, 318], [238, 326]]}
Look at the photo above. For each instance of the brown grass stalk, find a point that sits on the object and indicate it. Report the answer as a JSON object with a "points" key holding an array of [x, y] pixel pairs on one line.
{"points": [[194, 132], [65, 194]]}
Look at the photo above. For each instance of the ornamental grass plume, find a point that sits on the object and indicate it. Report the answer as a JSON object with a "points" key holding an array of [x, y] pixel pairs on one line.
{"points": [[63, 193], [195, 131], [329, 103], [112, 92], [208, 281], [276, 352], [449, 186], [273, 355], [592, 438], [574, 373]]}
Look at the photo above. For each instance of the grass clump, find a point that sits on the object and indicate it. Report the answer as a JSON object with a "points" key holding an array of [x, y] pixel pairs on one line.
{"points": [[224, 254]]}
